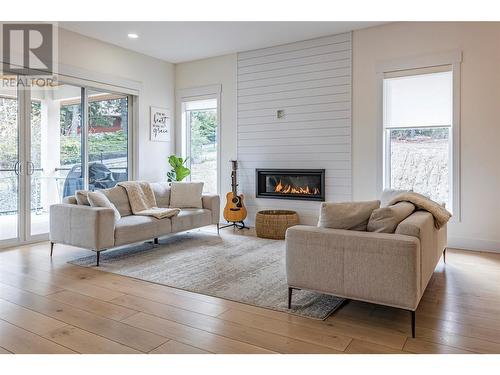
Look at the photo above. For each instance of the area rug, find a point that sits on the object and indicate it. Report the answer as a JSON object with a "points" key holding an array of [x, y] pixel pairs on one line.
{"points": [[244, 269]]}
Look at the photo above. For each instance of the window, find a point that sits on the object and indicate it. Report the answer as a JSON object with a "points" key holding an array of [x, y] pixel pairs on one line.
{"points": [[418, 132], [107, 139], [201, 141]]}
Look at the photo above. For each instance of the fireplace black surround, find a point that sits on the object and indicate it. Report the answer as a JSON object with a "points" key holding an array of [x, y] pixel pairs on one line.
{"points": [[299, 184]]}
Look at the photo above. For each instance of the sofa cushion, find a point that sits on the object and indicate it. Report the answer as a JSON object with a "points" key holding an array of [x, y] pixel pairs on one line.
{"points": [[98, 199], [118, 196], [389, 194], [70, 199], [186, 195], [190, 218], [135, 228], [161, 191], [81, 197], [348, 215], [386, 219]]}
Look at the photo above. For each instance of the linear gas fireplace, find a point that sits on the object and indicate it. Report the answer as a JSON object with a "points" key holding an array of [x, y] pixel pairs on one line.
{"points": [[302, 184]]}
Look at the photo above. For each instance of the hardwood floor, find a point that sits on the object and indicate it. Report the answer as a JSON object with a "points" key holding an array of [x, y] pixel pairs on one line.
{"points": [[50, 306]]}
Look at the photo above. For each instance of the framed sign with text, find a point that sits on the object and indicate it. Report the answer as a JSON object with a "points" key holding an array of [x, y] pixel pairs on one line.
{"points": [[160, 124]]}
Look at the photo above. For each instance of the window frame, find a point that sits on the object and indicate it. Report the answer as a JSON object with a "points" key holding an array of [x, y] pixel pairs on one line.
{"points": [[183, 136], [421, 65]]}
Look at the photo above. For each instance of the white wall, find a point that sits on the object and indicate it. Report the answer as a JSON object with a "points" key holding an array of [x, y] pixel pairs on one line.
{"points": [[311, 82], [480, 116], [157, 89], [218, 70], [480, 113]]}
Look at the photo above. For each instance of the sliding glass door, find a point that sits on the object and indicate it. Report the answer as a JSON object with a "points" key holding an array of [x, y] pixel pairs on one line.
{"points": [[56, 155], [9, 163], [55, 141]]}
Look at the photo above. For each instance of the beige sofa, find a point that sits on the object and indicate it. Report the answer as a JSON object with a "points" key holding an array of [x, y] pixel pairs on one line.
{"points": [[391, 269], [94, 228]]}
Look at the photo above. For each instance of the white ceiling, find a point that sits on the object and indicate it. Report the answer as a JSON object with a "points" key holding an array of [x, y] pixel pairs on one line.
{"points": [[185, 41]]}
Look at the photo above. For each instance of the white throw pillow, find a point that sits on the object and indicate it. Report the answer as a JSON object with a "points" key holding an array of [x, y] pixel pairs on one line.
{"points": [[186, 194], [98, 199], [348, 215]]}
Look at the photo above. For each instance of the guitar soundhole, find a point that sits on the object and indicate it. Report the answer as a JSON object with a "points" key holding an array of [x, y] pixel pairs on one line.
{"points": [[235, 200]]}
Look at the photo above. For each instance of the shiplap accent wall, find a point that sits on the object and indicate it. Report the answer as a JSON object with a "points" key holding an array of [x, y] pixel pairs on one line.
{"points": [[311, 82]]}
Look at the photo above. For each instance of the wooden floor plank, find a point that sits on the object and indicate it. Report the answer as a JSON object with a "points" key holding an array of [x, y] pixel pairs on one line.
{"points": [[95, 306], [154, 292], [88, 343], [192, 336], [4, 351], [252, 336], [59, 283], [392, 322], [175, 347], [419, 346], [330, 326], [59, 332], [364, 347], [442, 323], [116, 331], [19, 341], [308, 334], [28, 283], [27, 319]]}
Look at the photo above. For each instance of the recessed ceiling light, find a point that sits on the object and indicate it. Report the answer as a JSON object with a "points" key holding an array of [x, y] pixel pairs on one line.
{"points": [[133, 36]]}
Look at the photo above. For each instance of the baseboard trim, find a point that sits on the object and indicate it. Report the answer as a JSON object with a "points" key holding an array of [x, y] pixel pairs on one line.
{"points": [[474, 244]]}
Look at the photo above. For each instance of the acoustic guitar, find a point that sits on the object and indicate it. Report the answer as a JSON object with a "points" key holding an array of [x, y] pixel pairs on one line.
{"points": [[235, 210]]}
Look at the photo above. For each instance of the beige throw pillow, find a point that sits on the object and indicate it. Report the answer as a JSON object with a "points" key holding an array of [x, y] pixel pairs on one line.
{"points": [[81, 197], [386, 219], [348, 215], [186, 194], [161, 191], [98, 199]]}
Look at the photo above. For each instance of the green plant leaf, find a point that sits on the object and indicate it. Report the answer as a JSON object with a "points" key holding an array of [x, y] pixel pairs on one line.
{"points": [[182, 172], [179, 171]]}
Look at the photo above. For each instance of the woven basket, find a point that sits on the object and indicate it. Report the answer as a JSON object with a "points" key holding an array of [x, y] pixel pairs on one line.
{"points": [[274, 223]]}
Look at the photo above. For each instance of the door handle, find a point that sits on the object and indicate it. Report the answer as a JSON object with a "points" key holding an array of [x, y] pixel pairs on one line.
{"points": [[16, 168], [30, 167]]}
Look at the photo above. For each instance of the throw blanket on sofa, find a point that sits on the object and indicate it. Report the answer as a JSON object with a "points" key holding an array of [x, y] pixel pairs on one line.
{"points": [[441, 214], [142, 200]]}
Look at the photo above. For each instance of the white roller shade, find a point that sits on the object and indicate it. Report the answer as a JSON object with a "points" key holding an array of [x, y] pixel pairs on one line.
{"points": [[200, 105], [418, 100]]}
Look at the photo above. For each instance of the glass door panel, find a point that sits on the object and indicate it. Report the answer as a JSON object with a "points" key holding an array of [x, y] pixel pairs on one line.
{"points": [[55, 166], [9, 160], [108, 138]]}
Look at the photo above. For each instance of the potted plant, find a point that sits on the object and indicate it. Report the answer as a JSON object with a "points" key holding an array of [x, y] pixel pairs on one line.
{"points": [[179, 171]]}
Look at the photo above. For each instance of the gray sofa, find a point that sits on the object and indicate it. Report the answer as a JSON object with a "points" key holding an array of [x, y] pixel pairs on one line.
{"points": [[391, 269], [94, 228]]}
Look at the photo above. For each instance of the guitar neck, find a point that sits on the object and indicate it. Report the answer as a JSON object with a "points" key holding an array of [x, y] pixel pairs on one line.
{"points": [[234, 184]]}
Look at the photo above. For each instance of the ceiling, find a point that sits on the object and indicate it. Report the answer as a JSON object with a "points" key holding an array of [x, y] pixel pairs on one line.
{"points": [[186, 41]]}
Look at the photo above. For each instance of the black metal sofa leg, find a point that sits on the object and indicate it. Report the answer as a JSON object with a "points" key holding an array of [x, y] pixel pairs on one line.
{"points": [[444, 255], [413, 313], [51, 248], [290, 290], [155, 241], [98, 253]]}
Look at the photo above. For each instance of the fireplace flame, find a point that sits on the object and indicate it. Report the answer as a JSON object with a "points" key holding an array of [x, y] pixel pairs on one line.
{"points": [[289, 189]]}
